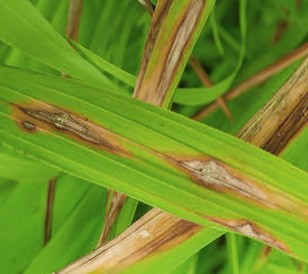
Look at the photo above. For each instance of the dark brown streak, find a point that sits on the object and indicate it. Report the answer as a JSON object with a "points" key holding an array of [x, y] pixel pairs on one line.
{"points": [[113, 210], [292, 125], [266, 252], [148, 5], [179, 232], [49, 210], [281, 29]]}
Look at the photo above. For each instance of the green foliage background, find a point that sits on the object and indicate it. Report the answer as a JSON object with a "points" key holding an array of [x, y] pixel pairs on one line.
{"points": [[33, 36]]}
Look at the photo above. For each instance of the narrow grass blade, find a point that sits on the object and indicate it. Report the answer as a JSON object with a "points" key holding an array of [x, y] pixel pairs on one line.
{"points": [[174, 30], [24, 28], [201, 96], [29, 171], [107, 67]]}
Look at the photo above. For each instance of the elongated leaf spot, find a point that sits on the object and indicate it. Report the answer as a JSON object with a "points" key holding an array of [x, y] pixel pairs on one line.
{"points": [[38, 116], [251, 230], [266, 252], [219, 177], [216, 176]]}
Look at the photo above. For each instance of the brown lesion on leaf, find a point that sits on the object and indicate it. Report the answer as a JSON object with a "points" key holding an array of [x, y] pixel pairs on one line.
{"points": [[35, 116], [49, 209], [73, 20], [155, 233], [291, 127], [283, 117], [266, 251], [153, 83], [161, 12], [219, 177], [251, 230], [215, 175], [180, 41], [281, 29], [114, 204]]}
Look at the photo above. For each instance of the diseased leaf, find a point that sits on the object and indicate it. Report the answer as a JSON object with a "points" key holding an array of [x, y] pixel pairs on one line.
{"points": [[117, 31], [170, 152], [175, 27], [167, 239], [204, 95]]}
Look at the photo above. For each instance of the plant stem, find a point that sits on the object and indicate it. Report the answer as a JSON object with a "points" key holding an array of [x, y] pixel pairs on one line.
{"points": [[256, 79], [233, 253]]}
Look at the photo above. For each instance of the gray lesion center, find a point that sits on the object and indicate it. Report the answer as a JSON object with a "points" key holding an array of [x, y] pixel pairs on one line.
{"points": [[63, 121], [28, 125], [67, 122], [214, 175]]}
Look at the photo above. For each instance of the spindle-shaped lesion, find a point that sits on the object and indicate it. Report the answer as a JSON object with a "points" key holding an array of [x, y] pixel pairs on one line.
{"points": [[37, 116]]}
